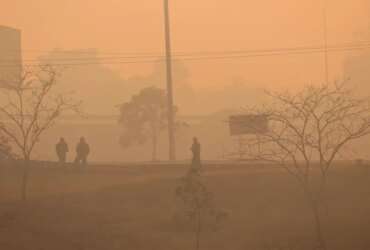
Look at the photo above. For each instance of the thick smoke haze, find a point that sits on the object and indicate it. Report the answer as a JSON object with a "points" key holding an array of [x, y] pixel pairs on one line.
{"points": [[206, 26], [184, 124]]}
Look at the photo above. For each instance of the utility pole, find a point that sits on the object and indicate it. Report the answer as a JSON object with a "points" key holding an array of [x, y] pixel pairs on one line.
{"points": [[171, 123], [326, 56]]}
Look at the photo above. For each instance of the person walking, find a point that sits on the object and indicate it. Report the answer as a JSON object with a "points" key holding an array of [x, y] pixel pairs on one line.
{"points": [[195, 149], [61, 149], [82, 152]]}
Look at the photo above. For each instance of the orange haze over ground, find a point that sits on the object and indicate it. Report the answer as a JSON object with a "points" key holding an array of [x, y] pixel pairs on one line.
{"points": [[197, 26]]}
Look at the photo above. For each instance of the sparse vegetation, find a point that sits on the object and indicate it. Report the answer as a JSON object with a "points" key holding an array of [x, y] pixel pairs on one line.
{"points": [[197, 211], [31, 108], [307, 133]]}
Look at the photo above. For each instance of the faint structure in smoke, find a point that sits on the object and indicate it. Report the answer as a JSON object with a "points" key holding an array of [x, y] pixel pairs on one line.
{"points": [[10, 55]]}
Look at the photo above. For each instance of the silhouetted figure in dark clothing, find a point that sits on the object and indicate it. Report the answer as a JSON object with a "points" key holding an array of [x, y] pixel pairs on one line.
{"points": [[82, 151], [62, 149], [195, 149]]}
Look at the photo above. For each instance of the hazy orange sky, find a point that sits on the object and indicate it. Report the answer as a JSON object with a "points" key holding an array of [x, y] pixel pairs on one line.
{"points": [[136, 26]]}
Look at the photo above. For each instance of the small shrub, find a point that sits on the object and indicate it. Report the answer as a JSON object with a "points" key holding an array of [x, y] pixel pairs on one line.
{"points": [[197, 212]]}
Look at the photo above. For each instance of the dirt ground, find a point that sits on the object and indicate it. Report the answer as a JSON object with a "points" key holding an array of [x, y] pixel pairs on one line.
{"points": [[132, 208]]}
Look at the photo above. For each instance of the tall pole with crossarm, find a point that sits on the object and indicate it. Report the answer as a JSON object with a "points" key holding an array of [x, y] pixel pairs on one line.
{"points": [[171, 123], [326, 55]]}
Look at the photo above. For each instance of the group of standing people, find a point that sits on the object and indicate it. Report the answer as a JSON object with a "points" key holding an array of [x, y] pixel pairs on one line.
{"points": [[82, 151]]}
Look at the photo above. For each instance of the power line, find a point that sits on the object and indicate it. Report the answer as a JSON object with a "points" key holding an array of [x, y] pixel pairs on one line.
{"points": [[229, 55], [348, 45], [77, 51], [344, 45], [97, 50]]}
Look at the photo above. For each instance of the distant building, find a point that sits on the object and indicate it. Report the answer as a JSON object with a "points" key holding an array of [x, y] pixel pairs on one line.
{"points": [[10, 56]]}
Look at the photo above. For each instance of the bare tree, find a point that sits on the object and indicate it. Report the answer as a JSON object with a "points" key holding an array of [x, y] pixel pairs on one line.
{"points": [[197, 210], [31, 107], [307, 133]]}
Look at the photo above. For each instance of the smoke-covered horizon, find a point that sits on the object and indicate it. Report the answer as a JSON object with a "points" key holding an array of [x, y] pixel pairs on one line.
{"points": [[243, 30]]}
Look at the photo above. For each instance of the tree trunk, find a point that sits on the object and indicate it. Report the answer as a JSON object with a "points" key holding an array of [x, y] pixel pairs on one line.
{"points": [[321, 244], [314, 203], [154, 149], [154, 139], [198, 230], [26, 165]]}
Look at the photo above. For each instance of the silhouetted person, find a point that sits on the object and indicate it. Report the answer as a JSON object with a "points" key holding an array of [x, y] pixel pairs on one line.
{"points": [[62, 149], [195, 149], [82, 151]]}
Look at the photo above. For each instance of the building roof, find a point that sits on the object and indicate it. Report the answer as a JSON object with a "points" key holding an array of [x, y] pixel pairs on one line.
{"points": [[9, 28]]}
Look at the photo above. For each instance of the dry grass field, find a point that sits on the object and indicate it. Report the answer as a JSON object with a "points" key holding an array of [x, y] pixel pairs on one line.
{"points": [[132, 208]]}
